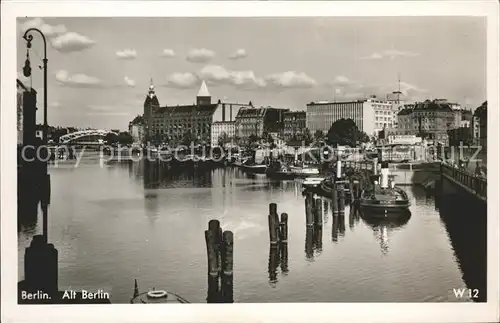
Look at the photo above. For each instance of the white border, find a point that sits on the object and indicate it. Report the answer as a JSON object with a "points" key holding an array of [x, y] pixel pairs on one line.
{"points": [[362, 312]]}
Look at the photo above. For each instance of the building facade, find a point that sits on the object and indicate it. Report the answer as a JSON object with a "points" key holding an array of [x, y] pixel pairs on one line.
{"points": [[480, 125], [20, 90], [430, 119], [136, 129], [294, 122], [183, 124], [222, 128], [255, 121], [321, 115]]}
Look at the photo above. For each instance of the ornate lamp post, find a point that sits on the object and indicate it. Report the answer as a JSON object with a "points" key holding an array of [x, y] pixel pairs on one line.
{"points": [[27, 72]]}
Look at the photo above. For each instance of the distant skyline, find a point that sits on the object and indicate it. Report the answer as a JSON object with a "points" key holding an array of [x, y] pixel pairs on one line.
{"points": [[100, 68]]}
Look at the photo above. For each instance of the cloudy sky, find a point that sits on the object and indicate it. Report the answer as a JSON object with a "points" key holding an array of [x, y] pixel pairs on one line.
{"points": [[100, 68]]}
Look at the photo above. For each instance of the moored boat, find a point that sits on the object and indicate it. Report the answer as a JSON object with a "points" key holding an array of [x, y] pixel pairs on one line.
{"points": [[304, 171], [383, 198], [156, 296]]}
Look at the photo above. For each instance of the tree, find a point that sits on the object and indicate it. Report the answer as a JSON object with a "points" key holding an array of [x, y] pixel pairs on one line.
{"points": [[253, 138], [124, 138], [318, 135], [223, 139], [111, 138], [187, 138], [307, 137], [345, 132]]}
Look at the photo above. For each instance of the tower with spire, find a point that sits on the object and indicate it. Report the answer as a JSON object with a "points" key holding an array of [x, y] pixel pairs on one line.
{"points": [[203, 97], [151, 103]]}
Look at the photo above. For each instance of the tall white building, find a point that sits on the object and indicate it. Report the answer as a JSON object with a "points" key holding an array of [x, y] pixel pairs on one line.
{"points": [[369, 115], [220, 127]]}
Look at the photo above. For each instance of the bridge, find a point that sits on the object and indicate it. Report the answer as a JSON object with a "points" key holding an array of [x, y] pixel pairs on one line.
{"points": [[422, 174], [84, 136]]}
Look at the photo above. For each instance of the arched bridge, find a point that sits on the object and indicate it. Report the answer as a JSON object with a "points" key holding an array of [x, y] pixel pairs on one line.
{"points": [[84, 136]]}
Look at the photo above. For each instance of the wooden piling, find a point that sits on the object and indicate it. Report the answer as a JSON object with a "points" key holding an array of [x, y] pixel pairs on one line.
{"points": [[216, 231], [309, 209], [318, 238], [351, 191], [273, 264], [284, 258], [227, 267], [318, 213], [211, 254], [213, 293], [309, 243], [273, 223], [335, 200], [341, 198], [284, 228]]}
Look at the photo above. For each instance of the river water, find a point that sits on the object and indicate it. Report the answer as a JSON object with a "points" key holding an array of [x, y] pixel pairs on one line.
{"points": [[114, 223]]}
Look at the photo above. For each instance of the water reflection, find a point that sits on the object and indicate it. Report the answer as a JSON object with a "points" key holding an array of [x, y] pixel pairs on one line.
{"points": [[278, 257], [382, 227], [465, 221], [137, 194]]}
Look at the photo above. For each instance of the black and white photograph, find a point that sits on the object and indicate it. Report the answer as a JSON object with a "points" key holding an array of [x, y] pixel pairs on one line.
{"points": [[262, 159]]}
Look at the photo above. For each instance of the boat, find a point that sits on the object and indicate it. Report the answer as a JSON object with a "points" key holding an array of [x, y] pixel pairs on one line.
{"points": [[383, 199], [249, 166], [155, 296], [304, 171], [280, 171], [158, 296]]}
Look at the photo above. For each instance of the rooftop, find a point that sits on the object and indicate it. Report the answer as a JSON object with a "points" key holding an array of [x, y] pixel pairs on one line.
{"points": [[203, 90], [207, 109]]}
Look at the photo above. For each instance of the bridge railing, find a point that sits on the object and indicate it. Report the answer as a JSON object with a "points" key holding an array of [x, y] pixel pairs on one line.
{"points": [[475, 184]]}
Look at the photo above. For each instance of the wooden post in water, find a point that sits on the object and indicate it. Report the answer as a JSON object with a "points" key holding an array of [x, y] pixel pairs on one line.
{"points": [[335, 200], [227, 267], [318, 213], [309, 209], [351, 190], [341, 198], [273, 224], [210, 239], [284, 228]]}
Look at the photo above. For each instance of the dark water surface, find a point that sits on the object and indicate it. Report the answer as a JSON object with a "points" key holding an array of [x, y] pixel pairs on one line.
{"points": [[113, 224]]}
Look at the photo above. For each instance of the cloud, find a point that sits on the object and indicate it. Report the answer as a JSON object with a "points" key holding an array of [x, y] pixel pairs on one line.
{"points": [[240, 53], [126, 54], [129, 81], [201, 55], [411, 90], [71, 42], [105, 110], [77, 80], [290, 79], [341, 81], [48, 30], [182, 80], [391, 54], [168, 53], [215, 74]]}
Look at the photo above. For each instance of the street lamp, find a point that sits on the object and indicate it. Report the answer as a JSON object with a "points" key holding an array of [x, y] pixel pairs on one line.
{"points": [[27, 73], [45, 178]]}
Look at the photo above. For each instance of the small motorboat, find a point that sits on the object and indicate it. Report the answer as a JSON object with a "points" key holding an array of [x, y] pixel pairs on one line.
{"points": [[156, 296], [279, 170], [384, 199], [310, 182], [249, 166], [304, 171]]}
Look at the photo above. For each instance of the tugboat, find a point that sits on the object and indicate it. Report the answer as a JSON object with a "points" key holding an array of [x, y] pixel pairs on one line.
{"points": [[155, 296], [280, 171], [384, 199]]}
